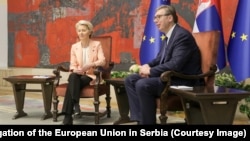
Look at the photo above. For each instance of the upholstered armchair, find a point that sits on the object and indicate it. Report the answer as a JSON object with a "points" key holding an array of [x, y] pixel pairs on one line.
{"points": [[208, 43], [92, 91]]}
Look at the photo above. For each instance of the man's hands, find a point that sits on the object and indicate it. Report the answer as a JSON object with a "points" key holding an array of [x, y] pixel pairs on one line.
{"points": [[144, 70]]}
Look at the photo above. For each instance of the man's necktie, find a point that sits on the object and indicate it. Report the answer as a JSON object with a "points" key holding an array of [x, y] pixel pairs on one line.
{"points": [[163, 54]]}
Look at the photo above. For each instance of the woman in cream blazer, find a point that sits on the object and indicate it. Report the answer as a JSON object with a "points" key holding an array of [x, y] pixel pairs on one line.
{"points": [[84, 56]]}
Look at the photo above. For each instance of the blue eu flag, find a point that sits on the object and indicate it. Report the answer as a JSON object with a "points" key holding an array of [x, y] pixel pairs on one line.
{"points": [[152, 38], [239, 44]]}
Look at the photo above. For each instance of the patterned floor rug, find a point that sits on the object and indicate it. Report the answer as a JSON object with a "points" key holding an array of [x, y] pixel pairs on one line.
{"points": [[34, 108]]}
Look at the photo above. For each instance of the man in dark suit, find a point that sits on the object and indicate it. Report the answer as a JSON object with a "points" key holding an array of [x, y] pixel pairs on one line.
{"points": [[179, 53]]}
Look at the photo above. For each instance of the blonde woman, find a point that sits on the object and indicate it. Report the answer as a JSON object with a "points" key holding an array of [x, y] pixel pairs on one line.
{"points": [[84, 56]]}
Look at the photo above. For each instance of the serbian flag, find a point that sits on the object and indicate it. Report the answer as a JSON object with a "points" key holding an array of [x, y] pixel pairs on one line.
{"points": [[152, 37], [207, 19], [239, 42]]}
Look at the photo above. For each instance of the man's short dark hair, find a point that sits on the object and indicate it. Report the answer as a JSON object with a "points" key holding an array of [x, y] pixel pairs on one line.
{"points": [[170, 10]]}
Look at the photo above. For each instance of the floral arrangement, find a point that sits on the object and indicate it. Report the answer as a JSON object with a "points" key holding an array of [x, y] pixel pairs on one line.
{"points": [[122, 74], [227, 80]]}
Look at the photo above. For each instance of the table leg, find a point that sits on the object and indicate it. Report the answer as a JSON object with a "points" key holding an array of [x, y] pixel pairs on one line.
{"points": [[47, 90], [192, 112], [19, 95], [123, 105]]}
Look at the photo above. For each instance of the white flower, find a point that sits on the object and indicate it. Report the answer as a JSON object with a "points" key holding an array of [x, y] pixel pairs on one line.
{"points": [[135, 68]]}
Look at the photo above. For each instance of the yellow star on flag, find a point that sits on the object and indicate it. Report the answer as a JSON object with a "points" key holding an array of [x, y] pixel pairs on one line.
{"points": [[243, 37]]}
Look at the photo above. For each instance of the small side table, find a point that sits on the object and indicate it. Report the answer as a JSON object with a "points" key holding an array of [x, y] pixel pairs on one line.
{"points": [[19, 88], [121, 98], [215, 105]]}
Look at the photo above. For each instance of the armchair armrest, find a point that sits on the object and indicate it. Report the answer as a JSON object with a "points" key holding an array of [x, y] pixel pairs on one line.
{"points": [[57, 73], [166, 77], [102, 72]]}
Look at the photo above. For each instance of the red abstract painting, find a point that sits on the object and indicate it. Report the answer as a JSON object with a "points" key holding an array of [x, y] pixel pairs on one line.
{"points": [[41, 32]]}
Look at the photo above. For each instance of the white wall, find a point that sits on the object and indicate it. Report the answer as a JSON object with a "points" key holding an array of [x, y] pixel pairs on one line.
{"points": [[3, 34]]}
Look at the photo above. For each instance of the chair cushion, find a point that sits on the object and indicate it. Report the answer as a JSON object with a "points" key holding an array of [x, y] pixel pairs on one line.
{"points": [[87, 92]]}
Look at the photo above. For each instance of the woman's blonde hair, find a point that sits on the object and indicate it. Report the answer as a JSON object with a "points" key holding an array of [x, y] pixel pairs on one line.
{"points": [[86, 23]]}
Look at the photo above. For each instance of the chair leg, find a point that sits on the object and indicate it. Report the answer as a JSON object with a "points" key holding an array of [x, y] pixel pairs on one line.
{"points": [[163, 119], [55, 107], [97, 114], [163, 111], [108, 98]]}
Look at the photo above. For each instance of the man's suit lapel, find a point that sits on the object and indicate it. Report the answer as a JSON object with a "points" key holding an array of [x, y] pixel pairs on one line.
{"points": [[163, 50], [170, 43]]}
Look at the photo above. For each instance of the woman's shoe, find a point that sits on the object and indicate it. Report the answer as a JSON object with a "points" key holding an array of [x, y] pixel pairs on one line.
{"points": [[122, 120], [77, 113], [68, 120]]}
